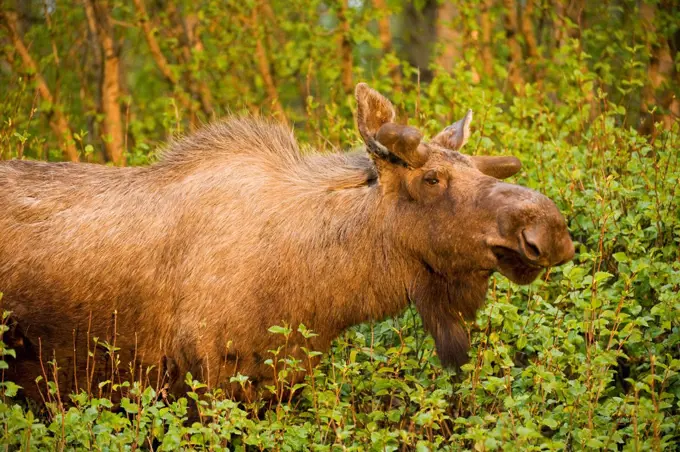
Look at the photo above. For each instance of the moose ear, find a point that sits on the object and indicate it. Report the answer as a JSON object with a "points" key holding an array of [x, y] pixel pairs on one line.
{"points": [[385, 140], [456, 135], [498, 167], [373, 110]]}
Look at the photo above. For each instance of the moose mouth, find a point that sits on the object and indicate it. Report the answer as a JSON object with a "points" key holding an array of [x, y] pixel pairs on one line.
{"points": [[514, 266]]}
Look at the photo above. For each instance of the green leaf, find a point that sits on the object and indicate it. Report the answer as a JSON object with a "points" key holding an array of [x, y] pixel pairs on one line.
{"points": [[602, 276]]}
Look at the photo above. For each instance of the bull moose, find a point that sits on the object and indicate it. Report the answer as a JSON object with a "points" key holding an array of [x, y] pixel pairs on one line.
{"points": [[186, 263]]}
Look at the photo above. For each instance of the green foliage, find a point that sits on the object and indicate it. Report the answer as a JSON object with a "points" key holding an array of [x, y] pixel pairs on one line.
{"points": [[588, 357]]}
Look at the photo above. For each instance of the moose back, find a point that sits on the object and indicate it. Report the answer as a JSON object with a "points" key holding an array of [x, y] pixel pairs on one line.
{"points": [[185, 264]]}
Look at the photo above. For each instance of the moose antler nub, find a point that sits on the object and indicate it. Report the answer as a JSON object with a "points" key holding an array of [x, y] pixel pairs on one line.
{"points": [[403, 141]]}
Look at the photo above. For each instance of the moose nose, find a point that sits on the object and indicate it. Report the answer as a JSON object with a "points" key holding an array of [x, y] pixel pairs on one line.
{"points": [[529, 244], [567, 251], [546, 248]]}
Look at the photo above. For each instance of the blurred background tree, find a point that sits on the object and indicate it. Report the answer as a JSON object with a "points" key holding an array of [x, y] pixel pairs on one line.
{"points": [[106, 80]]}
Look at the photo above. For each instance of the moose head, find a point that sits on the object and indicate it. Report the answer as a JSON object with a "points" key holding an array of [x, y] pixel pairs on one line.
{"points": [[454, 215]]}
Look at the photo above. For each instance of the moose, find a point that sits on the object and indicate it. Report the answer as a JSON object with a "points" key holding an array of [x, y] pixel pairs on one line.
{"points": [[185, 264]]}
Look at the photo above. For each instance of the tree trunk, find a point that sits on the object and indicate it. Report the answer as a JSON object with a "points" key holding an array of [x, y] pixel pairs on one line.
{"points": [[528, 29], [486, 29], [110, 82], [661, 73], [385, 32], [511, 28], [420, 34], [529, 35], [448, 37], [58, 120], [264, 67], [194, 43], [346, 60], [156, 53]]}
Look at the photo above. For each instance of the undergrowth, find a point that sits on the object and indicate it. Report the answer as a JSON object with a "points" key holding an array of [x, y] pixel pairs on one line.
{"points": [[586, 357]]}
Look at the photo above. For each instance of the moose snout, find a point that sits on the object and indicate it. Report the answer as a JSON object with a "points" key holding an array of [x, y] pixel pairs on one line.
{"points": [[546, 246], [531, 225]]}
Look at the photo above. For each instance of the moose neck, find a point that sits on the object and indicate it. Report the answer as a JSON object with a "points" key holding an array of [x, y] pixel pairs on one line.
{"points": [[367, 272], [360, 273]]}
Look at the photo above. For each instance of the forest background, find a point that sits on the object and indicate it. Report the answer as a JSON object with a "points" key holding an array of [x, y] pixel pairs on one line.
{"points": [[584, 93]]}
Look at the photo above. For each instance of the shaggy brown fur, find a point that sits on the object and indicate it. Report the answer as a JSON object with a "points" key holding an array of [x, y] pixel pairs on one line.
{"points": [[192, 259]]}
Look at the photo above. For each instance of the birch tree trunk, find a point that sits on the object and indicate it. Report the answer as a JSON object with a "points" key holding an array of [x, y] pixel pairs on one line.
{"points": [[110, 82], [58, 121], [448, 37]]}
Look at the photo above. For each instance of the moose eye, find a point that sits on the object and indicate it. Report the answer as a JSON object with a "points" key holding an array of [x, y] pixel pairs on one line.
{"points": [[431, 178]]}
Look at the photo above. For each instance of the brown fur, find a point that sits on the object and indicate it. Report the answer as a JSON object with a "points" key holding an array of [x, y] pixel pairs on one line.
{"points": [[190, 260]]}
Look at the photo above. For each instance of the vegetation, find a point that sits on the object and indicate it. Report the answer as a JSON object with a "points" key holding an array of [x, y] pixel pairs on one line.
{"points": [[585, 93]]}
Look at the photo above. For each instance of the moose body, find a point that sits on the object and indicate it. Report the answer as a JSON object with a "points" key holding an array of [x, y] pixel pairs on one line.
{"points": [[185, 264]]}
